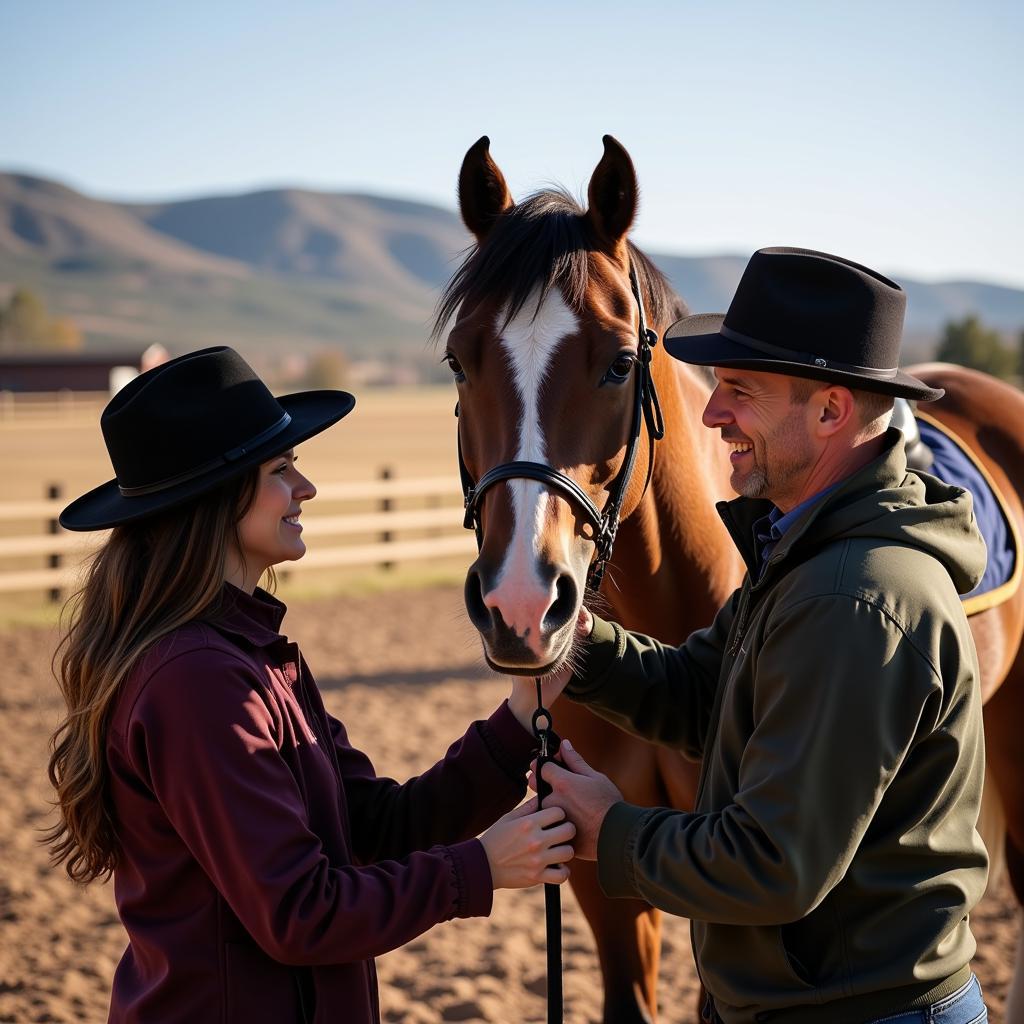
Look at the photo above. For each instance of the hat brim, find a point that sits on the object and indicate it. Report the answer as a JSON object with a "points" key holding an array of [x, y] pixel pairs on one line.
{"points": [[105, 507], [696, 339]]}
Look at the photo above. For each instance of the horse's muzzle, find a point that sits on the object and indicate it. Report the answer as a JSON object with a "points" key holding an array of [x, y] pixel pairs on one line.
{"points": [[524, 628]]}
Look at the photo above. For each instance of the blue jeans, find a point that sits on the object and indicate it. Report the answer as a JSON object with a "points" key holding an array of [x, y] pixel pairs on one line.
{"points": [[964, 1006]]}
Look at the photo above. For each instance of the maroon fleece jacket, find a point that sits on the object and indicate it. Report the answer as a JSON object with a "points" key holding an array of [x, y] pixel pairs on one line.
{"points": [[264, 863]]}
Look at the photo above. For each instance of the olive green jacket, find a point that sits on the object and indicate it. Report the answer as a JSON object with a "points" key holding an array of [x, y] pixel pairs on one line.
{"points": [[832, 857]]}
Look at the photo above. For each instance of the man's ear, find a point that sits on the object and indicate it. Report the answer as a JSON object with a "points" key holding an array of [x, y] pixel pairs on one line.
{"points": [[835, 407]]}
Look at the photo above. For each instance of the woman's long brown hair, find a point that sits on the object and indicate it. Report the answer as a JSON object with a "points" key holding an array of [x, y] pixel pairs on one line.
{"points": [[148, 579]]}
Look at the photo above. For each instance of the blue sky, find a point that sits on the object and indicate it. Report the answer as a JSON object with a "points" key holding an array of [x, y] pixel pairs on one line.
{"points": [[888, 132]]}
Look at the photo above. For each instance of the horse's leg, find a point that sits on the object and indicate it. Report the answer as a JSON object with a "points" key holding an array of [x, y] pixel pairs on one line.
{"points": [[1003, 715], [627, 932], [679, 778], [1014, 1011], [628, 937]]}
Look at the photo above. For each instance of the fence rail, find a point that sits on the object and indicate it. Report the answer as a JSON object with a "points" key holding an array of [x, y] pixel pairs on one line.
{"points": [[436, 511], [42, 407]]}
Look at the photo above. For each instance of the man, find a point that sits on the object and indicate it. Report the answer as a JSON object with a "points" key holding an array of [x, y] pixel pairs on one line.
{"points": [[831, 860]]}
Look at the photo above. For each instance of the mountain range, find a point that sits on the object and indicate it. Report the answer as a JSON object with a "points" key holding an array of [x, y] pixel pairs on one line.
{"points": [[290, 270]]}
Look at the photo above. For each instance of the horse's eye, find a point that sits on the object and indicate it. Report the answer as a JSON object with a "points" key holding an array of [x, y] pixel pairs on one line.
{"points": [[455, 366], [620, 369]]}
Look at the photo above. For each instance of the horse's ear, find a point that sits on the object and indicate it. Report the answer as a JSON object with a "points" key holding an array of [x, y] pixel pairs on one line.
{"points": [[612, 196], [483, 193]]}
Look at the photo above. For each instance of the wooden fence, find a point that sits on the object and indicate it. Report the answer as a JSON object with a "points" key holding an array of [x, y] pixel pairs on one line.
{"points": [[51, 408], [389, 520]]}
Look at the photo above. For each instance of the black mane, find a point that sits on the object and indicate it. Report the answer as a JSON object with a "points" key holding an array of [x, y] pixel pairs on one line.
{"points": [[544, 242]]}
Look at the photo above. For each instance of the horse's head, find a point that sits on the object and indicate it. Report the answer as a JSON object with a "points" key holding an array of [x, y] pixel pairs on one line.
{"points": [[544, 351]]}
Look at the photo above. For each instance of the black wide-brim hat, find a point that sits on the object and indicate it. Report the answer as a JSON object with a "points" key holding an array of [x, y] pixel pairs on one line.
{"points": [[807, 314], [187, 426]]}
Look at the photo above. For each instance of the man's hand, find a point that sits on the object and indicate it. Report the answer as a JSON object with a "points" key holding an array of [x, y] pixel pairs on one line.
{"points": [[584, 794], [522, 700]]}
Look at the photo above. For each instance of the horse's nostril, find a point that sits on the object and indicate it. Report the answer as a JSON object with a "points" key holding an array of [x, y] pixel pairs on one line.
{"points": [[479, 613], [564, 605]]}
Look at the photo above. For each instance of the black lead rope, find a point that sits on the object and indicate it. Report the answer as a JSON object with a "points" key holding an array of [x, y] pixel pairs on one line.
{"points": [[548, 743]]}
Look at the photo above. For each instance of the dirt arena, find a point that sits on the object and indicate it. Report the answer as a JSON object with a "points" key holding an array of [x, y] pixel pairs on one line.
{"points": [[403, 671]]}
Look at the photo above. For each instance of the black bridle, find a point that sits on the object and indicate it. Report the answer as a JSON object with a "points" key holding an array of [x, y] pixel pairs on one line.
{"points": [[605, 524]]}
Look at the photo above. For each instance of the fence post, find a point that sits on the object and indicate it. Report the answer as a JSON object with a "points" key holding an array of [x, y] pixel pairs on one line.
{"points": [[434, 501], [385, 506], [53, 491]]}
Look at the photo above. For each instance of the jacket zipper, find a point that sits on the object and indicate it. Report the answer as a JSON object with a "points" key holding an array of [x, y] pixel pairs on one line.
{"points": [[739, 630], [303, 975], [742, 615], [307, 710]]}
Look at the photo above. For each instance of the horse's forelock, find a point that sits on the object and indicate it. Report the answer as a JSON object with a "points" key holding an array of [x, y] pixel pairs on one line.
{"points": [[544, 242], [538, 244]]}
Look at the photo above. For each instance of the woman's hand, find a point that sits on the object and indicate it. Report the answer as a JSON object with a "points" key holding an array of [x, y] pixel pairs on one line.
{"points": [[522, 700], [523, 851]]}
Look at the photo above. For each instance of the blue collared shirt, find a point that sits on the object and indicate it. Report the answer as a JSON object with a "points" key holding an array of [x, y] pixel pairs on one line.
{"points": [[769, 529]]}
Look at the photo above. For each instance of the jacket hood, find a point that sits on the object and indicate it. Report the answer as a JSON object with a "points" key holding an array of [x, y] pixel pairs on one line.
{"points": [[883, 500]]}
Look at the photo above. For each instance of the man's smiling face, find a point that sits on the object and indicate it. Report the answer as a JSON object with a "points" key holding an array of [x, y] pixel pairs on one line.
{"points": [[771, 447]]}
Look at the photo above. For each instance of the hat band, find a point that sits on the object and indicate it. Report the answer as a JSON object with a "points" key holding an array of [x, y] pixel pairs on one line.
{"points": [[806, 357], [207, 467]]}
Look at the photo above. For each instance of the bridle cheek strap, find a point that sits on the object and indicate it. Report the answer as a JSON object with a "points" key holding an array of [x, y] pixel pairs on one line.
{"points": [[605, 524]]}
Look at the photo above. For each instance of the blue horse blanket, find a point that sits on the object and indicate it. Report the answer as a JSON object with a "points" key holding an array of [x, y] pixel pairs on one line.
{"points": [[954, 466]]}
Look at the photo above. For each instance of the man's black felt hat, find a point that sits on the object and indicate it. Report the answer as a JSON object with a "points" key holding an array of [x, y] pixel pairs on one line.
{"points": [[807, 314], [188, 425]]}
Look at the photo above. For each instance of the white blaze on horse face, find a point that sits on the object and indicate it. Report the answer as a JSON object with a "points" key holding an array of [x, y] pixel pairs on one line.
{"points": [[530, 342]]}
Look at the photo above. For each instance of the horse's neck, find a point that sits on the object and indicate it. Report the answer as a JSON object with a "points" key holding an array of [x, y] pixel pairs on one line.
{"points": [[678, 563]]}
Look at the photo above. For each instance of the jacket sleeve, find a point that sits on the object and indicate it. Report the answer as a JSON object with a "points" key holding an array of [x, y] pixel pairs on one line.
{"points": [[827, 739], [204, 740], [656, 691], [482, 776]]}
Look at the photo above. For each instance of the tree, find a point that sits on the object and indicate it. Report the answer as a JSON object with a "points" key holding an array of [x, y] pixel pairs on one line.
{"points": [[26, 324], [327, 369], [65, 335], [969, 343], [25, 320]]}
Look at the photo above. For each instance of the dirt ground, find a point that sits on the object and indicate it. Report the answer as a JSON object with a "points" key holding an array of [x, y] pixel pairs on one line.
{"points": [[403, 671]]}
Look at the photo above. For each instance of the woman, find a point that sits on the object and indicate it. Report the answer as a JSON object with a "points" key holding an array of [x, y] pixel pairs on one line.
{"points": [[259, 863]]}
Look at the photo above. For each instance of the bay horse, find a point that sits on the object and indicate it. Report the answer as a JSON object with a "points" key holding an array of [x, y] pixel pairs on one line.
{"points": [[547, 334]]}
